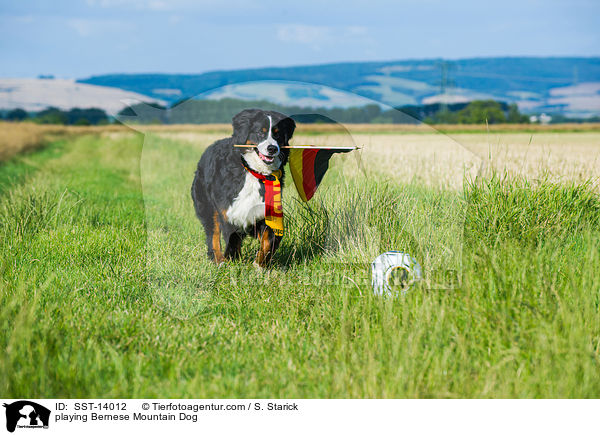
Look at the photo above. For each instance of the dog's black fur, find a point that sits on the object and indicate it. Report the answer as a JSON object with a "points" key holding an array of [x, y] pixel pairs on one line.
{"points": [[220, 178]]}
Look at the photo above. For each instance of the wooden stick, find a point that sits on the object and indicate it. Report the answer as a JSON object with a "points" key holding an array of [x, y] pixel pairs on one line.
{"points": [[306, 146]]}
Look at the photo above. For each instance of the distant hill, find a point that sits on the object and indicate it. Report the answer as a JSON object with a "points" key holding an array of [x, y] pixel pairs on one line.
{"points": [[37, 94], [569, 86]]}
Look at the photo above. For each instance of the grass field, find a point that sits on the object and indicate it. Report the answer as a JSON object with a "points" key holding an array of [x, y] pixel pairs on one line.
{"points": [[105, 290]]}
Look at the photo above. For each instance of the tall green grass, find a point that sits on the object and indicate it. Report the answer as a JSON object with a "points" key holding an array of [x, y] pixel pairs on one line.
{"points": [[105, 290]]}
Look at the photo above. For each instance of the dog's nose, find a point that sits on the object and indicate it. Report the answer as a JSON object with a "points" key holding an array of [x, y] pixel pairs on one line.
{"points": [[272, 149]]}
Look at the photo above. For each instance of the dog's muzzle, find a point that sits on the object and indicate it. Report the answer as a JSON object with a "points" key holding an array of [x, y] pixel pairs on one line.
{"points": [[267, 152]]}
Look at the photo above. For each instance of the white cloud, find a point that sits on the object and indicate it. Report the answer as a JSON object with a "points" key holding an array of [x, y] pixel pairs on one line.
{"points": [[356, 30], [25, 19], [174, 19], [81, 26], [88, 27], [303, 34], [317, 36], [153, 5]]}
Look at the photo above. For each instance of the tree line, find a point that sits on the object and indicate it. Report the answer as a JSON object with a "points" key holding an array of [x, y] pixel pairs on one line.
{"points": [[221, 111], [53, 115]]}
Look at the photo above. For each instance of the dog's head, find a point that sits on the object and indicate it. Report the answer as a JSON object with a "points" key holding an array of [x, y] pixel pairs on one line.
{"points": [[269, 131]]}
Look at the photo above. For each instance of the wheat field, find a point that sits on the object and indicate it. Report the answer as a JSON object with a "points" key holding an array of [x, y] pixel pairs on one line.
{"points": [[442, 158]]}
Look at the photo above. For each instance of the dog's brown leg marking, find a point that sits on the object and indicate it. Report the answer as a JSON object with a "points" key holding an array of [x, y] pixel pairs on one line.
{"points": [[264, 253], [216, 239]]}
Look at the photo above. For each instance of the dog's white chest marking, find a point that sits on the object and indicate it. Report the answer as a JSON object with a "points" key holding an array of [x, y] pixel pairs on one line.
{"points": [[248, 207]]}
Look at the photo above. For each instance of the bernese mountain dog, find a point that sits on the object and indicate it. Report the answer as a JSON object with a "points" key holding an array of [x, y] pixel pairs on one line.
{"points": [[229, 199]]}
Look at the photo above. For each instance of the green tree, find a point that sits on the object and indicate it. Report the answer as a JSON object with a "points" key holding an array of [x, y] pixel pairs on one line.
{"points": [[514, 116], [82, 121], [480, 112], [51, 115], [17, 115], [91, 116]]}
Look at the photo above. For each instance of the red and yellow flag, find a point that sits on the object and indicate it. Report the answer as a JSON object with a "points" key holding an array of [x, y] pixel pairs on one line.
{"points": [[308, 166]]}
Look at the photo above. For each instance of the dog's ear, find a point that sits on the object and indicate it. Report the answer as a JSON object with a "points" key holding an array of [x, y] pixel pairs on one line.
{"points": [[287, 126], [241, 125]]}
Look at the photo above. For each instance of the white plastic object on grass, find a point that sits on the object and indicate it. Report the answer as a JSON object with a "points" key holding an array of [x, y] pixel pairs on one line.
{"points": [[388, 263]]}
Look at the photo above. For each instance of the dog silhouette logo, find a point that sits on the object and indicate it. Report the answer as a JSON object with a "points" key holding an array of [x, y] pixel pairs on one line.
{"points": [[26, 414]]}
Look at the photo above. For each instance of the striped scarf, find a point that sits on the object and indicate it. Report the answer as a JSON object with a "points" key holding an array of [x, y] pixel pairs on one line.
{"points": [[273, 206]]}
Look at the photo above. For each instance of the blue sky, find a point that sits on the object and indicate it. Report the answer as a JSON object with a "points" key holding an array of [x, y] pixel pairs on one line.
{"points": [[70, 38]]}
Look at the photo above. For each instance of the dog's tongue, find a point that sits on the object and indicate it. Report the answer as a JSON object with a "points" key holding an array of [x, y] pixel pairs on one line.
{"points": [[265, 158]]}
